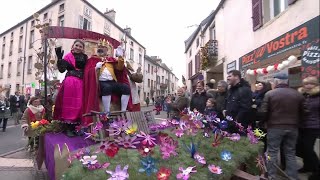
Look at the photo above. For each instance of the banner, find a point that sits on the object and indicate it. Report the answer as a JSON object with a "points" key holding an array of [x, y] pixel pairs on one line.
{"points": [[298, 37], [74, 33], [310, 59]]}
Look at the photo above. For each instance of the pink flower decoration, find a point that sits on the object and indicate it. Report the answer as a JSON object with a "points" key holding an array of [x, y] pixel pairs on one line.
{"points": [[215, 169], [185, 173], [200, 159], [127, 142], [167, 150], [179, 133], [234, 137], [147, 139]]}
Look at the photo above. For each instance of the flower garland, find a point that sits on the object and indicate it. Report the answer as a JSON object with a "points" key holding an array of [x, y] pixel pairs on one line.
{"points": [[204, 57], [276, 67]]}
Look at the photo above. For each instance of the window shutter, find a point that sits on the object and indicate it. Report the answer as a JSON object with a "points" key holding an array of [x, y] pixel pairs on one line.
{"points": [[291, 1], [80, 22], [256, 14]]}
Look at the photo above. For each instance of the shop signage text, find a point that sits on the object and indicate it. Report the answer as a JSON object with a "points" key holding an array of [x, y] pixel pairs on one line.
{"points": [[292, 39]]}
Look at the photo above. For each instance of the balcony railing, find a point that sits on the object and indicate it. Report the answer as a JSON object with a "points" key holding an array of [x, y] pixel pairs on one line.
{"points": [[209, 54], [163, 86]]}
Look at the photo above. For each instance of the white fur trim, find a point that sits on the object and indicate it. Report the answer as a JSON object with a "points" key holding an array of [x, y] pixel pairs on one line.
{"points": [[213, 81], [24, 126]]}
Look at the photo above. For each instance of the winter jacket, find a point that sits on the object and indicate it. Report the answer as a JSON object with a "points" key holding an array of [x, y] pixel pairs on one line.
{"points": [[4, 109], [282, 107], [312, 103], [220, 98], [239, 102], [198, 101], [29, 116], [179, 105]]}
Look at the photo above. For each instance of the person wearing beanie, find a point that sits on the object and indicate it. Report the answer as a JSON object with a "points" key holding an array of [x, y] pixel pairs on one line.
{"points": [[209, 88]]}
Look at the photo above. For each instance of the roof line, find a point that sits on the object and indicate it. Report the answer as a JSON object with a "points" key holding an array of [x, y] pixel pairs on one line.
{"points": [[112, 22], [56, 2], [30, 17], [206, 26]]}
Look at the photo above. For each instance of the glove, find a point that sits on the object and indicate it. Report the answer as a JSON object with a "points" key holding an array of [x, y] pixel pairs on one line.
{"points": [[119, 51], [99, 65], [25, 127], [59, 52]]}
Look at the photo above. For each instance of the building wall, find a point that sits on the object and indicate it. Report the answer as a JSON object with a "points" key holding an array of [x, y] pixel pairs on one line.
{"points": [[239, 37], [73, 9]]}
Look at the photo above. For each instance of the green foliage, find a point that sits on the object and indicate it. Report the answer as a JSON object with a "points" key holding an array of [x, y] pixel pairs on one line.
{"points": [[242, 152]]}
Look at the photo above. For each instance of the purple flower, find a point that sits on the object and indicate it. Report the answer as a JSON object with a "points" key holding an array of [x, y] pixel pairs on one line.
{"points": [[118, 173], [185, 173], [167, 150], [117, 127], [179, 133], [127, 142]]}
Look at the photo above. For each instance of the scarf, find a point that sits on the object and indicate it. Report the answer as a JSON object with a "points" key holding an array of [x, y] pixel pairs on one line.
{"points": [[36, 110]]}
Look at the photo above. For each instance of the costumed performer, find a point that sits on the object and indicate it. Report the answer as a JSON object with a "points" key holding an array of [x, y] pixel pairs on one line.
{"points": [[107, 79], [133, 78], [68, 104], [34, 112]]}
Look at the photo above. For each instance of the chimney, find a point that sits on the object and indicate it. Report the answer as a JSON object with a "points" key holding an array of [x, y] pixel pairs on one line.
{"points": [[111, 14], [127, 30]]}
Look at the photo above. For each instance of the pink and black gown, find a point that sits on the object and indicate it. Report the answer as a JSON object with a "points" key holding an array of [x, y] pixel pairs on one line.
{"points": [[68, 105]]}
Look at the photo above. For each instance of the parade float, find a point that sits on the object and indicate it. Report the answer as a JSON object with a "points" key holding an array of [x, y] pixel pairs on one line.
{"points": [[120, 145]]}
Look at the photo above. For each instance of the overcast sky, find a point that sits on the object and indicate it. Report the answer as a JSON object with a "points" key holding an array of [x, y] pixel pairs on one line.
{"points": [[159, 25]]}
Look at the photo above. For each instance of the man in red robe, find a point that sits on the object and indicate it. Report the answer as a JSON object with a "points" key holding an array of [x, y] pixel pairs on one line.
{"points": [[92, 91]]}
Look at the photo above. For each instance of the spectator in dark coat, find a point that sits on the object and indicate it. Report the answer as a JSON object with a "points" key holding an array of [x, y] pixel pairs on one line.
{"points": [[239, 99], [199, 98], [220, 97], [282, 109], [17, 106], [310, 130], [4, 112], [179, 104]]}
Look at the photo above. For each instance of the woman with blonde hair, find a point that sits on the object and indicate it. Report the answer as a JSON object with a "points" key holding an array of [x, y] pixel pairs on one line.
{"points": [[310, 130], [34, 112]]}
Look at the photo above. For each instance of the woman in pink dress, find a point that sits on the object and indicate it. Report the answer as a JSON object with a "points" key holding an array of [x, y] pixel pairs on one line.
{"points": [[68, 105]]}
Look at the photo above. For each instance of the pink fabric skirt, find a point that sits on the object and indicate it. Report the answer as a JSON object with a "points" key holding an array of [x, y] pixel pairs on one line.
{"points": [[68, 105]]}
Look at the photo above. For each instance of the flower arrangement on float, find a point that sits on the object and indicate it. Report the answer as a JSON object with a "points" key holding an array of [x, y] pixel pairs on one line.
{"points": [[44, 126], [194, 146], [276, 67]]}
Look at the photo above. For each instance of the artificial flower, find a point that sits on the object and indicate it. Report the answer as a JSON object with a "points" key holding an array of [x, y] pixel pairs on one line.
{"points": [[185, 173], [234, 137], [89, 160], [127, 142], [163, 174], [89, 135], [145, 150], [168, 149], [77, 155], [200, 159], [111, 150], [148, 165], [259, 133], [192, 149], [215, 169], [34, 125], [239, 126], [226, 155], [223, 125], [43, 122], [250, 134], [117, 127], [179, 133], [131, 129], [229, 118], [261, 163], [147, 139], [118, 173]]}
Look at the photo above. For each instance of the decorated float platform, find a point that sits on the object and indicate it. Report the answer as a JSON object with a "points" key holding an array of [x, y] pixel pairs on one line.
{"points": [[131, 146], [118, 148]]}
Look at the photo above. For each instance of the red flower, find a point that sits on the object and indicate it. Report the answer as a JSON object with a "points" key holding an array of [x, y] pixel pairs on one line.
{"points": [[163, 173], [43, 122], [112, 150], [145, 150]]}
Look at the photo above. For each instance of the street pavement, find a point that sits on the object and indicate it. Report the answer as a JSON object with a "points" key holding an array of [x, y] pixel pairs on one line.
{"points": [[17, 164]]}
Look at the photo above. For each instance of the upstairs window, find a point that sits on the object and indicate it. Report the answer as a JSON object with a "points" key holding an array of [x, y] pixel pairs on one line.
{"points": [[61, 8], [84, 23], [61, 21]]}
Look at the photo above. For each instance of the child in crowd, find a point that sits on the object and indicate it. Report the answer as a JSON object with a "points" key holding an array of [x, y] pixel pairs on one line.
{"points": [[210, 110]]}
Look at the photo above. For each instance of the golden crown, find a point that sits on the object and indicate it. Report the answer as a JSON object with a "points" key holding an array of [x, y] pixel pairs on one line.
{"points": [[103, 43]]}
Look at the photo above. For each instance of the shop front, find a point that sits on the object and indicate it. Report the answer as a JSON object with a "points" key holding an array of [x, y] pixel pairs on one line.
{"points": [[295, 53]]}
